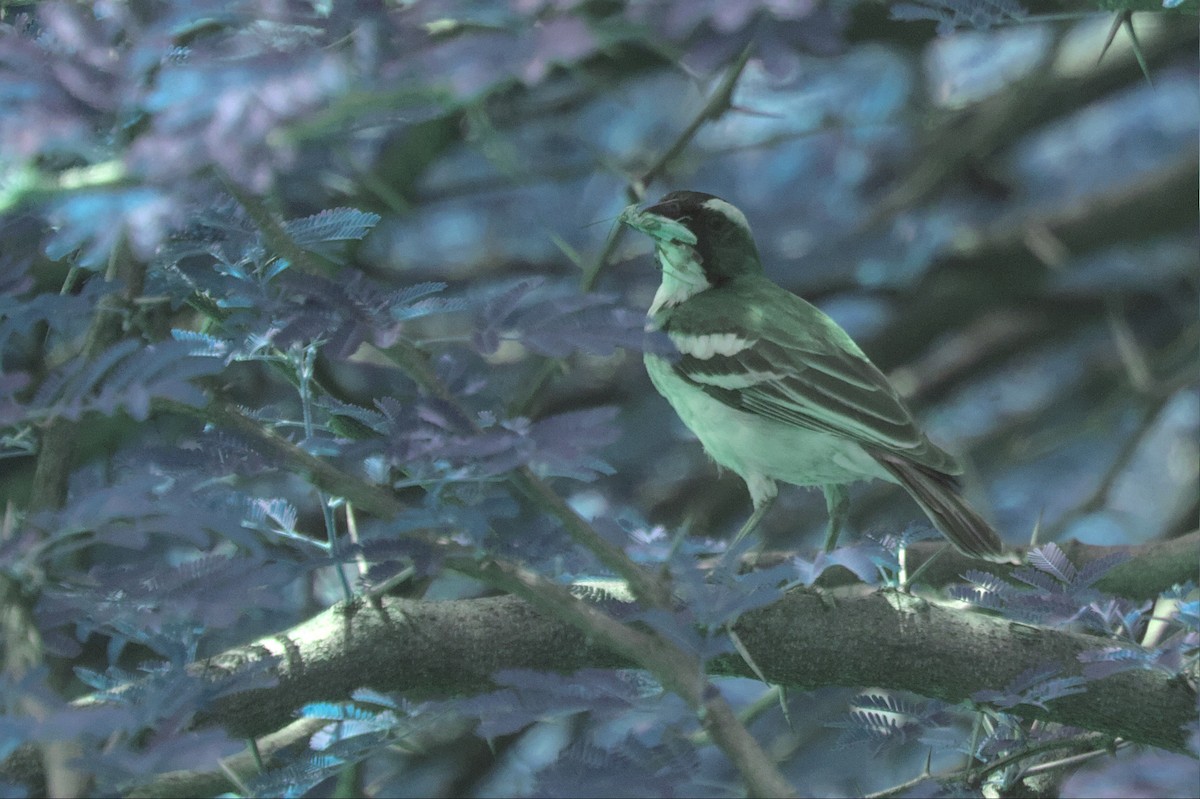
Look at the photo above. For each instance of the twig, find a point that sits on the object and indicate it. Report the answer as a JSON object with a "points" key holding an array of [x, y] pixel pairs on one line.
{"points": [[414, 362], [718, 103], [925, 775], [272, 229], [231, 772], [1084, 741], [365, 495], [1129, 447], [678, 670], [1073, 760], [976, 133], [974, 776], [643, 585]]}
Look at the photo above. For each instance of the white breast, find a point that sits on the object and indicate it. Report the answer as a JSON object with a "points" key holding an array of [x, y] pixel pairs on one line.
{"points": [[682, 275]]}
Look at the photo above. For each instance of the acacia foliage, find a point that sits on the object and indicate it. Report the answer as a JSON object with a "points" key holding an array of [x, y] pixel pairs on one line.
{"points": [[341, 223]]}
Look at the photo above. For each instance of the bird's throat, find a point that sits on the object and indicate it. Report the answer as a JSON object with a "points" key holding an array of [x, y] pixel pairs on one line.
{"points": [[682, 275]]}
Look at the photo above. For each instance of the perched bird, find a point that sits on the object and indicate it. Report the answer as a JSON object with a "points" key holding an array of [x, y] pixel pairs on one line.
{"points": [[775, 389]]}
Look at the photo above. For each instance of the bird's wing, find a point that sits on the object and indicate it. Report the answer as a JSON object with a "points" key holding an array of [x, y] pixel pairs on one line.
{"points": [[779, 357]]}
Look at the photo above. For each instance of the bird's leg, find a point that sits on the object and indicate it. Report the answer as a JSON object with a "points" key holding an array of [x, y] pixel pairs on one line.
{"points": [[760, 510], [762, 493], [837, 501]]}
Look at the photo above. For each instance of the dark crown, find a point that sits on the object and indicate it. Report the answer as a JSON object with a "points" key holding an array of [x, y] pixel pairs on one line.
{"points": [[723, 239]]}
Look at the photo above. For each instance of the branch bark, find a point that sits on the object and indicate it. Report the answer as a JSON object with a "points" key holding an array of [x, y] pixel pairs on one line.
{"points": [[865, 638], [678, 669], [868, 639], [1151, 569]]}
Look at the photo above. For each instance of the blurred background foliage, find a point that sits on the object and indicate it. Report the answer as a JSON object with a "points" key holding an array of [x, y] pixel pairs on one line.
{"points": [[1006, 225], [997, 205]]}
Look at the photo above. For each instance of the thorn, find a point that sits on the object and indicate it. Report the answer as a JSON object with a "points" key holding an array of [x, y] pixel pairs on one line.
{"points": [[603, 221], [1124, 19], [233, 777], [1137, 48], [1133, 358], [695, 76], [252, 745], [745, 653], [1112, 34], [928, 562], [783, 707], [676, 542], [754, 112], [637, 190]]}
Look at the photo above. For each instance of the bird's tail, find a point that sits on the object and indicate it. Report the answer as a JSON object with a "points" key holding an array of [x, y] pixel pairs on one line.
{"points": [[937, 494]]}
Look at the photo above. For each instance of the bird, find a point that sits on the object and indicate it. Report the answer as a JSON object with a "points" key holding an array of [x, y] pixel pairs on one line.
{"points": [[774, 389]]}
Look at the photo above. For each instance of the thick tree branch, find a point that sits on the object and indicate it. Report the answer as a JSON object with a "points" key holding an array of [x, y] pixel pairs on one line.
{"points": [[211, 779], [876, 639], [906, 643], [1151, 569], [677, 669]]}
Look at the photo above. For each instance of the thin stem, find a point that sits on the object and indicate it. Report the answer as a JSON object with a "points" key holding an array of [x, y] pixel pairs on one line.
{"points": [[679, 671], [1073, 760], [365, 495], [1037, 749], [718, 103], [304, 374]]}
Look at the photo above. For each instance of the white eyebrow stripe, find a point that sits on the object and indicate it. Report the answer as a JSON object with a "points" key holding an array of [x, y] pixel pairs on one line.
{"points": [[705, 347], [734, 215], [735, 381]]}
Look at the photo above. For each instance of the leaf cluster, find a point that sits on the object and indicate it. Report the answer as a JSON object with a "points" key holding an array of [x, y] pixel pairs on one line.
{"points": [[279, 331]]}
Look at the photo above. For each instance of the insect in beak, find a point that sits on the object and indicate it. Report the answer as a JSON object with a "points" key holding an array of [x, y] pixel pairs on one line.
{"points": [[659, 228]]}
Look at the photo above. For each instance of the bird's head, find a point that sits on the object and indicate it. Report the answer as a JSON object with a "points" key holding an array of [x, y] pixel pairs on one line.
{"points": [[700, 241]]}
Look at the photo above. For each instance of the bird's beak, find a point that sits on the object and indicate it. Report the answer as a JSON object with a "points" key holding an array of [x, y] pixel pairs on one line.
{"points": [[658, 227]]}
